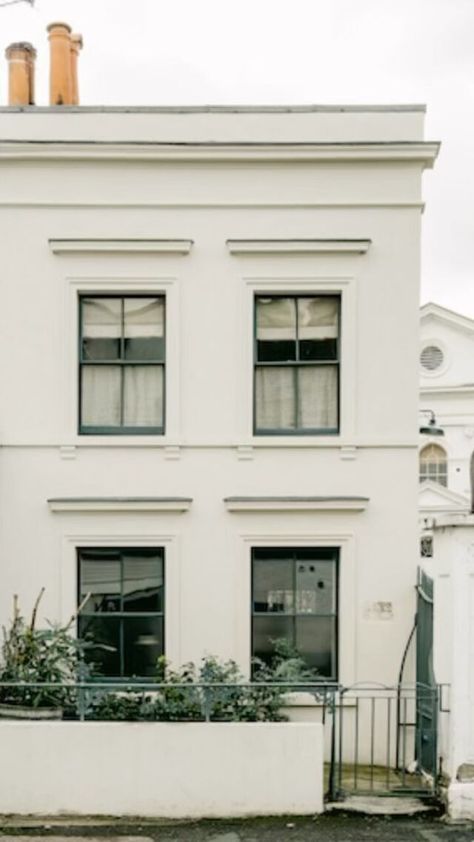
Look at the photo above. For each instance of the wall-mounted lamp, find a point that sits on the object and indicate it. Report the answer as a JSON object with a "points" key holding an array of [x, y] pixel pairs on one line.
{"points": [[431, 429]]}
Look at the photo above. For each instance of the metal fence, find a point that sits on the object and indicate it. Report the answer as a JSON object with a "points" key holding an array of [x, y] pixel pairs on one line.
{"points": [[385, 741], [378, 740]]}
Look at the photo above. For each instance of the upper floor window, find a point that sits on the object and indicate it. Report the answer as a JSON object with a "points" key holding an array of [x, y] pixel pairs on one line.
{"points": [[296, 364], [122, 364], [434, 464], [294, 598], [123, 613]]}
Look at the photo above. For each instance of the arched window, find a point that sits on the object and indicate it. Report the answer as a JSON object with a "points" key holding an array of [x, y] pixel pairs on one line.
{"points": [[434, 464]]}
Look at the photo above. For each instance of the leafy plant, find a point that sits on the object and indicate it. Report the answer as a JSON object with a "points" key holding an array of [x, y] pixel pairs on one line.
{"points": [[215, 691], [33, 656], [286, 665]]}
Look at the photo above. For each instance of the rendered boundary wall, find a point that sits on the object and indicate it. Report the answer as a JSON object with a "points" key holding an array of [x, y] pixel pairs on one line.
{"points": [[169, 770]]}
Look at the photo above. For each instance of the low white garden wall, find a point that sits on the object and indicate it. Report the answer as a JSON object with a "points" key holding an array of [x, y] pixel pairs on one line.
{"points": [[172, 770]]}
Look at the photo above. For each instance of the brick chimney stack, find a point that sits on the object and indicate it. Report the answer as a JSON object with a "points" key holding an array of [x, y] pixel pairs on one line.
{"points": [[21, 73], [60, 81], [76, 46]]}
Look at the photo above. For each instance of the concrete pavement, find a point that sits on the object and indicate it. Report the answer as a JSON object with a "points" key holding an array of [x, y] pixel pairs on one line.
{"points": [[325, 828]]}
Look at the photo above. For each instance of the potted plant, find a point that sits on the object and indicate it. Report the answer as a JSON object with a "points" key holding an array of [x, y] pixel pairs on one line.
{"points": [[31, 656]]}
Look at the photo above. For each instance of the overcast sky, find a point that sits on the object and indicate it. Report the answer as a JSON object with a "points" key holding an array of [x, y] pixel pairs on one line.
{"points": [[154, 52]]}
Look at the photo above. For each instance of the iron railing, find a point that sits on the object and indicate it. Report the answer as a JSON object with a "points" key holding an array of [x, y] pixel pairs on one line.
{"points": [[378, 740]]}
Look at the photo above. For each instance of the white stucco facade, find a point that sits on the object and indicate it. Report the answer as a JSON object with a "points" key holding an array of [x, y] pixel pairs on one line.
{"points": [[209, 208], [448, 390]]}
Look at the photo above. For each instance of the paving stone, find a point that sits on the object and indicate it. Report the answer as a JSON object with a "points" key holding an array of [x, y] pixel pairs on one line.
{"points": [[379, 806], [225, 837]]}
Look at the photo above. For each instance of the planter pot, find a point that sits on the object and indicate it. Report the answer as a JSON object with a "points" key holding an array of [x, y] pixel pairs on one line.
{"points": [[25, 712]]}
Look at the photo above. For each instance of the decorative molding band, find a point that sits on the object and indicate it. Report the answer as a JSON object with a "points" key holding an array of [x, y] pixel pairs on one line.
{"points": [[210, 203], [303, 245], [120, 504], [424, 153], [137, 245], [296, 504]]}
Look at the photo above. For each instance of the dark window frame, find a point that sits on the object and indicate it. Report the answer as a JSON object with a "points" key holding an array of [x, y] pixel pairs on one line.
{"points": [[292, 556], [122, 362], [295, 364], [121, 615]]}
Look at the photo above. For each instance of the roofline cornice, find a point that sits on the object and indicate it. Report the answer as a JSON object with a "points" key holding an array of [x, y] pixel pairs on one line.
{"points": [[424, 153], [443, 314]]}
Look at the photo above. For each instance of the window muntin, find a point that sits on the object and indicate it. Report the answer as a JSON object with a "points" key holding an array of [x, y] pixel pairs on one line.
{"points": [[122, 364], [295, 596], [296, 381], [434, 464], [124, 615]]}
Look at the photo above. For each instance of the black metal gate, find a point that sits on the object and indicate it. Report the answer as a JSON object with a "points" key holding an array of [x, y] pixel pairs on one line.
{"points": [[375, 741], [427, 695]]}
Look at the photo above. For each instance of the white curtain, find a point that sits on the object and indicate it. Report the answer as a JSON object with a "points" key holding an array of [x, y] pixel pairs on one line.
{"points": [[275, 398], [276, 392], [317, 392], [143, 396], [101, 396]]}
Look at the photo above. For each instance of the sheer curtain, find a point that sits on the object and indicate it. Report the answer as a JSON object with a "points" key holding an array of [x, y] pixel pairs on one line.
{"points": [[291, 396], [101, 395], [143, 396]]}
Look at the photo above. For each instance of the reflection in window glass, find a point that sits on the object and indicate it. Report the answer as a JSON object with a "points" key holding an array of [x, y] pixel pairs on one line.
{"points": [[294, 597], [121, 592]]}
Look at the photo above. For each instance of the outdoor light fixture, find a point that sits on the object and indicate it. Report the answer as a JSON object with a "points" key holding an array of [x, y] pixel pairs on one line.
{"points": [[431, 429]]}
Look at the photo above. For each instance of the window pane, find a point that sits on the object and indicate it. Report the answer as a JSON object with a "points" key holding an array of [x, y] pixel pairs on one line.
{"points": [[318, 328], [103, 632], [143, 645], [273, 586], [101, 578], [276, 329], [143, 396], [317, 397], [316, 643], [267, 629], [100, 396], [101, 328], [144, 328], [315, 587], [142, 581], [275, 398]]}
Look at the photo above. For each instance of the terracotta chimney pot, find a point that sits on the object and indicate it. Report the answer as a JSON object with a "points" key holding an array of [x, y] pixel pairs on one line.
{"points": [[60, 85], [21, 72], [76, 46]]}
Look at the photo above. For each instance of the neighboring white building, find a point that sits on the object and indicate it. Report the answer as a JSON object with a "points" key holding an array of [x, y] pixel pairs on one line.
{"points": [[447, 390]]}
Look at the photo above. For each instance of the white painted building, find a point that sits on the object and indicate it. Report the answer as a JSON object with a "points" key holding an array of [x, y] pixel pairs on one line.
{"points": [[447, 390], [209, 334]]}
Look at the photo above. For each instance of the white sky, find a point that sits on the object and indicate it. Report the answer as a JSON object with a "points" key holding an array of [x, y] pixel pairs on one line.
{"points": [[153, 52]]}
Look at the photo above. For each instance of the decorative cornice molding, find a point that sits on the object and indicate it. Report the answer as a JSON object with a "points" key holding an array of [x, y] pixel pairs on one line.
{"points": [[137, 245], [300, 245], [120, 504], [446, 316], [422, 152], [296, 504]]}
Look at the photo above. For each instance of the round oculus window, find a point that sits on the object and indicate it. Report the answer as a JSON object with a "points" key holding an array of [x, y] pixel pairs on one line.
{"points": [[431, 358]]}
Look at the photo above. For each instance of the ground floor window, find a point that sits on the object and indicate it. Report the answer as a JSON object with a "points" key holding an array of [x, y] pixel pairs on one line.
{"points": [[295, 597], [121, 591]]}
